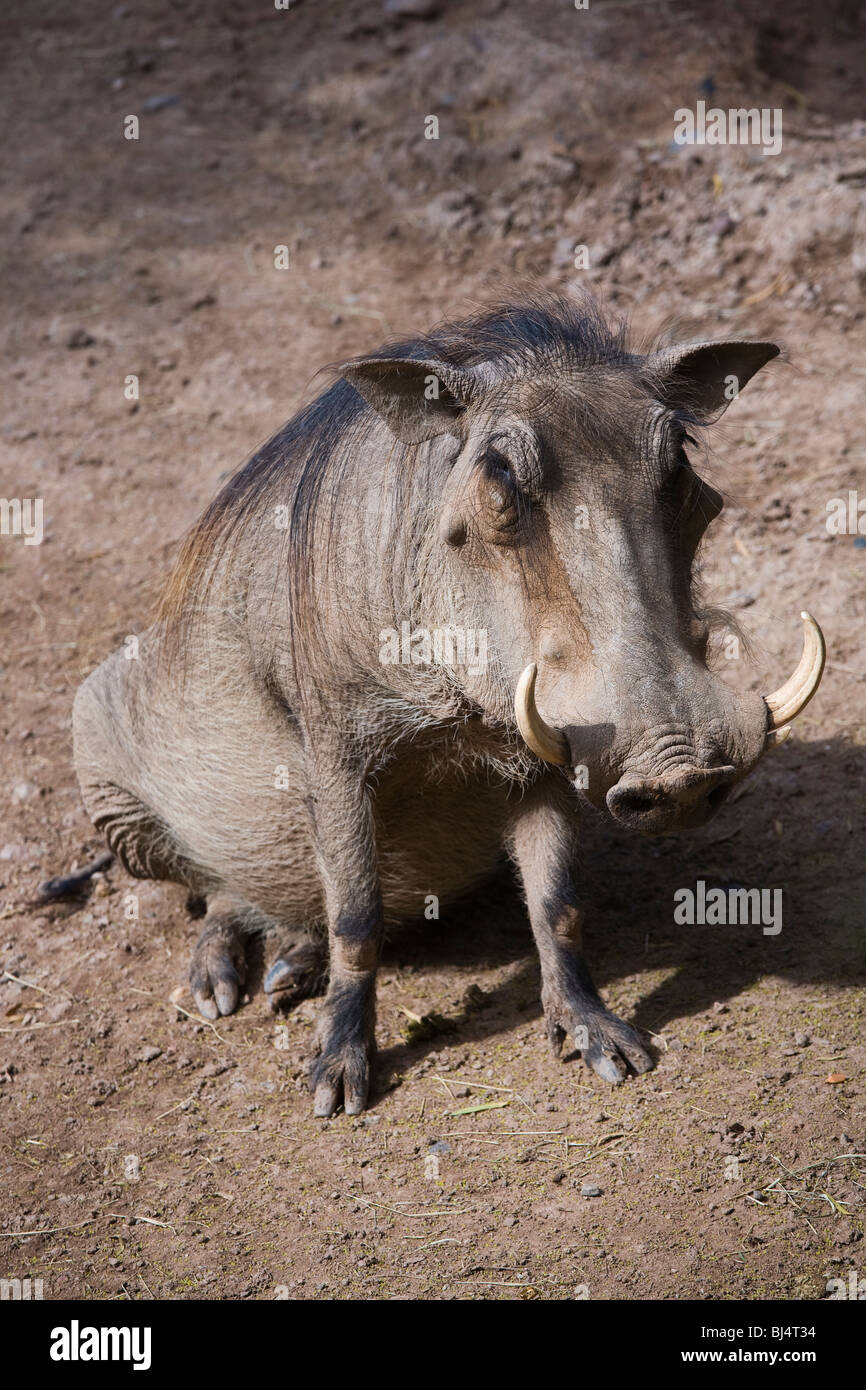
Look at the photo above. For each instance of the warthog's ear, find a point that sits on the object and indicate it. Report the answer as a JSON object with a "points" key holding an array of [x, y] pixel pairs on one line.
{"points": [[706, 377], [417, 399]]}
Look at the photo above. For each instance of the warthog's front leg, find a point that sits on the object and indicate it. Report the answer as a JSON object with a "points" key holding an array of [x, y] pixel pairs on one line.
{"points": [[344, 840], [543, 846]]}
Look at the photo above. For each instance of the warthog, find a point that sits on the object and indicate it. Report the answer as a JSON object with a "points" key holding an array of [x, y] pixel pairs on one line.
{"points": [[520, 475]]}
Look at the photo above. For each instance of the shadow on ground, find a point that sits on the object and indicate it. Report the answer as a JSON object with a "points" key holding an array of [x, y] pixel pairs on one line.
{"points": [[798, 826]]}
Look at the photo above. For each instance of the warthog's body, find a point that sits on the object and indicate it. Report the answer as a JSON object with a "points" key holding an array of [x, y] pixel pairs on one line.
{"points": [[259, 750]]}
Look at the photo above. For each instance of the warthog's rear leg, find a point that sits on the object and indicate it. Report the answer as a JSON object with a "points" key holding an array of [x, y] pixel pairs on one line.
{"points": [[143, 843], [299, 971], [218, 969]]}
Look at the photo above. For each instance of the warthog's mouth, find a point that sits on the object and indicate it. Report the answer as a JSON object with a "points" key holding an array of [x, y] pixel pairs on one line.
{"points": [[687, 795]]}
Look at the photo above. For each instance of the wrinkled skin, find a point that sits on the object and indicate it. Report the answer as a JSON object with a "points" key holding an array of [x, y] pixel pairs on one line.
{"points": [[540, 495]]}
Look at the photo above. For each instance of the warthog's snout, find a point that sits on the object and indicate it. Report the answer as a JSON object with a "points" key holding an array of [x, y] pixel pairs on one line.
{"points": [[678, 800], [682, 794]]}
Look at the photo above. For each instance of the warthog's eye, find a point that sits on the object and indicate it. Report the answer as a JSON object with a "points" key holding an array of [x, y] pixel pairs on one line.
{"points": [[496, 465], [503, 494], [681, 485], [500, 475], [687, 502]]}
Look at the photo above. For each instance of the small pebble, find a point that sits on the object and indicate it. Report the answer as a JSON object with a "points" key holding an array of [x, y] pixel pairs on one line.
{"points": [[80, 338]]}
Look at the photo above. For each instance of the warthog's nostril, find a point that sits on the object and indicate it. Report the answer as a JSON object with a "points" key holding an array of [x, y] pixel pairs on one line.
{"points": [[718, 795], [685, 797], [635, 803]]}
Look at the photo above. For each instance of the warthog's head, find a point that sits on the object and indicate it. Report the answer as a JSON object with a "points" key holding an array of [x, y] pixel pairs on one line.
{"points": [[569, 516]]}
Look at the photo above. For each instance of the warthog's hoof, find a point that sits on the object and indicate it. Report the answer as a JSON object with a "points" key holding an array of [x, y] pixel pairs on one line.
{"points": [[342, 1067], [218, 969], [609, 1046], [298, 972], [343, 1074]]}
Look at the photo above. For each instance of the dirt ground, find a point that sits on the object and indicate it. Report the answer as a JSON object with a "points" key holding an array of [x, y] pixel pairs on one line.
{"points": [[146, 1153]]}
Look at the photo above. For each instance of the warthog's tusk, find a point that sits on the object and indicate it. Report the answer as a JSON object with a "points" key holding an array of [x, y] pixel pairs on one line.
{"points": [[786, 702], [546, 742], [775, 737]]}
